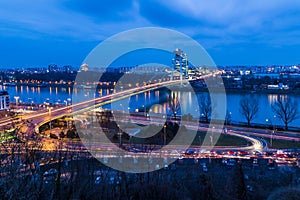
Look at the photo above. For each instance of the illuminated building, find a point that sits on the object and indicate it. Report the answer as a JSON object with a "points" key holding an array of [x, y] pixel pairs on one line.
{"points": [[4, 100]]}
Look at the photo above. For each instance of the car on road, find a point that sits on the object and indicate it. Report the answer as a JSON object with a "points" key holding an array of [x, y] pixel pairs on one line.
{"points": [[98, 180], [255, 162], [243, 153], [114, 180], [50, 172], [249, 188], [204, 168], [190, 153]]}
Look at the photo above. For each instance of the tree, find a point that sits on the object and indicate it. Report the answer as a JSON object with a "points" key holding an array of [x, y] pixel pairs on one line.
{"points": [[286, 110], [206, 106], [249, 107]]}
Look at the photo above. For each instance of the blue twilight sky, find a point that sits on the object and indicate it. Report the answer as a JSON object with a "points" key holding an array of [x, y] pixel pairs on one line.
{"points": [[234, 32]]}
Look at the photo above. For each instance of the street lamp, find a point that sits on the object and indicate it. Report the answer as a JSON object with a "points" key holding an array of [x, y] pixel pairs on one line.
{"points": [[274, 129], [267, 120], [144, 108], [165, 134], [227, 118], [69, 100], [16, 98], [274, 125], [271, 138], [120, 138]]}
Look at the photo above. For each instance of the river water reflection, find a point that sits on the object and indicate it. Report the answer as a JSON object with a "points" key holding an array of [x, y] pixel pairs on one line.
{"points": [[144, 101]]}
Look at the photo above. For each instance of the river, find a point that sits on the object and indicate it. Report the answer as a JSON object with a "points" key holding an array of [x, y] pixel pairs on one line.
{"points": [[63, 95]]}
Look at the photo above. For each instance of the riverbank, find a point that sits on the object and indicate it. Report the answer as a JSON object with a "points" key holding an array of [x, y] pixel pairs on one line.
{"points": [[234, 90]]}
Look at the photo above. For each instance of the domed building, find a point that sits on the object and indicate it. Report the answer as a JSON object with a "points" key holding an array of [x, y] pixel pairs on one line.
{"points": [[84, 67]]}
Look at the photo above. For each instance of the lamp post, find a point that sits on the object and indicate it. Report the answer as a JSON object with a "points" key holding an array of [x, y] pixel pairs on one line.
{"points": [[32, 103], [128, 113], [228, 118], [271, 138], [69, 100], [274, 129], [144, 108], [120, 137], [17, 99], [267, 120], [165, 134], [266, 125]]}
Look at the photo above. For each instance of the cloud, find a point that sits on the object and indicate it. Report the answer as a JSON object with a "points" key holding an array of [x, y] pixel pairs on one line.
{"points": [[217, 24], [84, 20], [39, 18], [231, 20]]}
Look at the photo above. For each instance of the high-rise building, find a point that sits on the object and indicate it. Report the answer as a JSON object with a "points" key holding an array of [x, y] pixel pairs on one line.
{"points": [[180, 64], [4, 100]]}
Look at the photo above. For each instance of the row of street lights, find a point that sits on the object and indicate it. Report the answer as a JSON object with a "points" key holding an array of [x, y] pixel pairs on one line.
{"points": [[17, 99]]}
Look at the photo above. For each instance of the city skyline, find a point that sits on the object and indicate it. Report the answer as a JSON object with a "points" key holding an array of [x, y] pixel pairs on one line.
{"points": [[150, 99], [237, 33]]}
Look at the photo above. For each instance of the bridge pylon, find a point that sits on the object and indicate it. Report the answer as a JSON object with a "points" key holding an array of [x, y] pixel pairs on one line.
{"points": [[180, 65]]}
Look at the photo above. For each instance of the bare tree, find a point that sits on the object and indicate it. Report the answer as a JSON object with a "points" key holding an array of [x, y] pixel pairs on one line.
{"points": [[205, 106], [286, 110], [249, 107]]}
